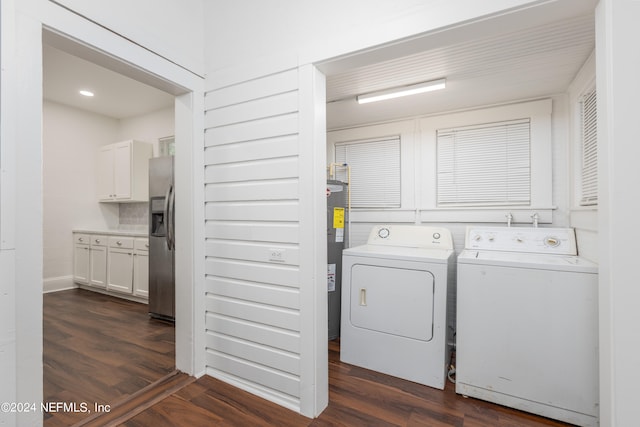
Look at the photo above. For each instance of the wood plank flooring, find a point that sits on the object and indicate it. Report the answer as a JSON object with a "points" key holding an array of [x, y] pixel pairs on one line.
{"points": [[99, 349], [357, 397]]}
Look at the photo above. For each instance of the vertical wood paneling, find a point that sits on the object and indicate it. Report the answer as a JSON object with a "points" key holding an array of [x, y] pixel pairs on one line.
{"points": [[272, 273], [259, 354], [251, 210], [243, 329], [252, 150], [262, 314], [282, 189], [275, 105], [277, 296], [252, 170], [259, 252], [281, 82], [253, 231], [270, 127], [252, 373]]}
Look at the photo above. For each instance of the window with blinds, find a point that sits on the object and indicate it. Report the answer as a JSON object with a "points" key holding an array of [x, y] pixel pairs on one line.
{"points": [[484, 165], [375, 171], [589, 173]]}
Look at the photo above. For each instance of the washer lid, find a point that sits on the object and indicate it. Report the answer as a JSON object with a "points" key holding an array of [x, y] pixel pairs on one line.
{"points": [[527, 260], [400, 253]]}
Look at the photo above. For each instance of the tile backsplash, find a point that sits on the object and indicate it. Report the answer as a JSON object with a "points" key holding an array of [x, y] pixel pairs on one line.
{"points": [[134, 213]]}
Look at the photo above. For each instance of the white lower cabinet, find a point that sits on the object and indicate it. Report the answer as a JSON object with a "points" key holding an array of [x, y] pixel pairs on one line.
{"points": [[141, 268], [81, 259], [120, 271], [98, 261], [90, 260], [117, 264]]}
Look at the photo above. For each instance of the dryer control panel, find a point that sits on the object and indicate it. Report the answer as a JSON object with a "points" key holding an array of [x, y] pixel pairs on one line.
{"points": [[411, 236], [558, 241]]}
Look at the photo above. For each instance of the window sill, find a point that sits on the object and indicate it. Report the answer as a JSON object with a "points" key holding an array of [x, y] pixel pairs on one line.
{"points": [[521, 215]]}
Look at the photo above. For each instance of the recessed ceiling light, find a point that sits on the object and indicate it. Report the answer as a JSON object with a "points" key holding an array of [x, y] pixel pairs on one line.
{"points": [[86, 93]]}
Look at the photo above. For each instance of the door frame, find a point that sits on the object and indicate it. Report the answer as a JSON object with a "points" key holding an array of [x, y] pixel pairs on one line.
{"points": [[21, 180], [111, 51]]}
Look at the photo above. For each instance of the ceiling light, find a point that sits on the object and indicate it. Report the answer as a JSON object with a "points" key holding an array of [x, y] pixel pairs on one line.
{"points": [[86, 93], [397, 92]]}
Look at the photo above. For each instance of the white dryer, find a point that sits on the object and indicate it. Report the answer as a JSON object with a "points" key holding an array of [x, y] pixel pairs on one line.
{"points": [[527, 322], [394, 303]]}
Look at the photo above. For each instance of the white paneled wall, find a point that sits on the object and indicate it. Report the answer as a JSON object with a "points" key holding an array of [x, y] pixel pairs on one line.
{"points": [[252, 209]]}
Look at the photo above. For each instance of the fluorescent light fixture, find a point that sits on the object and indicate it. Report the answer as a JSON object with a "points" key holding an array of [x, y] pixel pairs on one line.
{"points": [[86, 93], [397, 92]]}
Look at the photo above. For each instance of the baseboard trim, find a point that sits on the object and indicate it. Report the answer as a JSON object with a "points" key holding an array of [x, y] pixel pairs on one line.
{"points": [[55, 284]]}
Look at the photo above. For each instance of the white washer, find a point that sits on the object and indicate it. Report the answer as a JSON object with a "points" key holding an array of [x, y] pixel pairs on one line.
{"points": [[394, 302], [527, 322]]}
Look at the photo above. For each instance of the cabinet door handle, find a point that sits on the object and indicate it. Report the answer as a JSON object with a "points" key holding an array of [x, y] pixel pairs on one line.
{"points": [[119, 243], [97, 240], [146, 245]]}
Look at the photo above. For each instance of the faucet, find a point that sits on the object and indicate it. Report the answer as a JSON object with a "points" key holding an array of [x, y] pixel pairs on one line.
{"points": [[509, 219], [535, 217]]}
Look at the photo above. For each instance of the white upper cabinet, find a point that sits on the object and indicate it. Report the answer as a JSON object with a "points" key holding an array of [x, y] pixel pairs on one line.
{"points": [[123, 172]]}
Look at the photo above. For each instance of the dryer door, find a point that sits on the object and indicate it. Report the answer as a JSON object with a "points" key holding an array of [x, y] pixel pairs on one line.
{"points": [[390, 300]]}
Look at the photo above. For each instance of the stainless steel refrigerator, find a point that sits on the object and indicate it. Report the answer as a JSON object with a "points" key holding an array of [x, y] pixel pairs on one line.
{"points": [[161, 239]]}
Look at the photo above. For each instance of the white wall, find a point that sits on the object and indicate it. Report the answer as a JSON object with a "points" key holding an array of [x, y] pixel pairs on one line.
{"points": [[21, 205], [315, 31], [149, 127], [550, 186], [172, 29], [618, 68], [290, 27], [243, 53], [70, 141]]}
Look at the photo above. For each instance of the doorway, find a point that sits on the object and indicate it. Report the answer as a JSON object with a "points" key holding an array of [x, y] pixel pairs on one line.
{"points": [[184, 112]]}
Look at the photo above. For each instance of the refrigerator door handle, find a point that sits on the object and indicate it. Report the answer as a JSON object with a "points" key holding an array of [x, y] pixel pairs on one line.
{"points": [[171, 220], [166, 217]]}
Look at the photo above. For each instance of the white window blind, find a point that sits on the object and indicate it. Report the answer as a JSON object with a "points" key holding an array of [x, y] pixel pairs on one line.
{"points": [[589, 190], [375, 171], [484, 165]]}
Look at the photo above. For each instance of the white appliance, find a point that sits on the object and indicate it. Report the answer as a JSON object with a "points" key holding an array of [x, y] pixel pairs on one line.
{"points": [[394, 303], [527, 322]]}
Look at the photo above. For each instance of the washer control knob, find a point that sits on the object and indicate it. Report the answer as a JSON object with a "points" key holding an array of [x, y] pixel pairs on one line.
{"points": [[477, 238], [552, 241], [436, 236], [383, 233]]}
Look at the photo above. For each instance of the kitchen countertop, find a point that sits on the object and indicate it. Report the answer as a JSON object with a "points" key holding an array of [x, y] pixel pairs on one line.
{"points": [[133, 232]]}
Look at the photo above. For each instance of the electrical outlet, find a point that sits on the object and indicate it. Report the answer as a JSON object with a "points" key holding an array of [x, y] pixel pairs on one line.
{"points": [[276, 255]]}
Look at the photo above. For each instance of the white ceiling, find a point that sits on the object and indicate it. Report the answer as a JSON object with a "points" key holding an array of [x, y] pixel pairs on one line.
{"points": [[116, 96], [516, 59], [515, 65]]}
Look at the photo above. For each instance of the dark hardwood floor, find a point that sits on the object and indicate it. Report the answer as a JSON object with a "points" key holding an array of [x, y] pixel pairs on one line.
{"points": [[357, 397], [99, 349], [87, 360]]}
